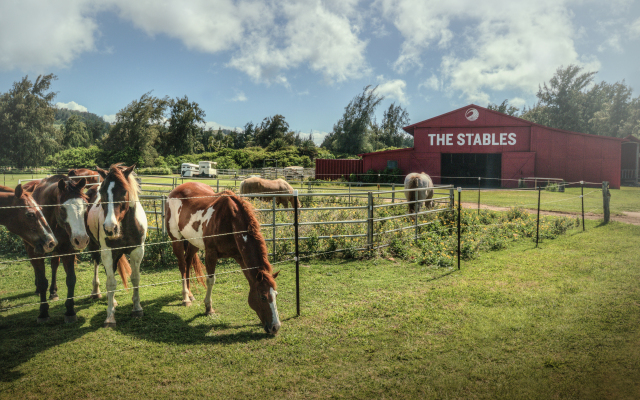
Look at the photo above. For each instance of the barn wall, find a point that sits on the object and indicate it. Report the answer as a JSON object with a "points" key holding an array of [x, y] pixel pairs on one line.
{"points": [[335, 169]]}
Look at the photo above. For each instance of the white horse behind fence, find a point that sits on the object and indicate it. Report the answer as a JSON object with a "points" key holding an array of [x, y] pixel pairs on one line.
{"points": [[418, 181]]}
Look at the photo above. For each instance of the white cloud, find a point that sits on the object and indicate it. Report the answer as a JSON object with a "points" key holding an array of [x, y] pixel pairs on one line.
{"points": [[239, 97], [111, 118], [72, 105], [318, 136], [35, 35], [503, 44], [432, 83], [634, 29], [215, 126], [394, 89]]}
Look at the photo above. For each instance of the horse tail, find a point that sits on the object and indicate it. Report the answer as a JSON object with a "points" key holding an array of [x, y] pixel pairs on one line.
{"points": [[198, 269], [413, 184], [124, 269]]}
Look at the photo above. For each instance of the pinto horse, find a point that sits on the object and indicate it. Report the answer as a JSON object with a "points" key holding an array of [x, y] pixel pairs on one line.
{"points": [[64, 207], [22, 216], [418, 181], [92, 177], [224, 226], [118, 225]]}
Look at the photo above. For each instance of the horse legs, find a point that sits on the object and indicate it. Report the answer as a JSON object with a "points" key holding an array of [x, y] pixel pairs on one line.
{"points": [[53, 289], [95, 257], [69, 263], [211, 258], [41, 281], [136, 258], [109, 266], [179, 250], [191, 252]]}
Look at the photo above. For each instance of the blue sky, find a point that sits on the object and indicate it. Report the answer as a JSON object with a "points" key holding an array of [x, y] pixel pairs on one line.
{"points": [[243, 61]]}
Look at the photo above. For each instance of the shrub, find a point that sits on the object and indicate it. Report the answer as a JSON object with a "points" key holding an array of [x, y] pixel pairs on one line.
{"points": [[154, 171]]}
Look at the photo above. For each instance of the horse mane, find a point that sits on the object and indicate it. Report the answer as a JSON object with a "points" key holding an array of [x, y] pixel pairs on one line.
{"points": [[130, 184], [253, 229]]}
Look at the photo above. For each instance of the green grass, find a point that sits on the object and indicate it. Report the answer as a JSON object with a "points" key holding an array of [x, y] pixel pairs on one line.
{"points": [[560, 321]]}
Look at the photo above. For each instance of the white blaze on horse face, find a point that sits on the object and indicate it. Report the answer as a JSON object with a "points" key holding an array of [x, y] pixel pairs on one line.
{"points": [[110, 221], [244, 237], [75, 218], [275, 319], [194, 236], [41, 221]]}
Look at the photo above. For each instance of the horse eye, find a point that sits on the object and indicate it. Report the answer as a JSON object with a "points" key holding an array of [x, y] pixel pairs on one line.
{"points": [[263, 297], [31, 215]]}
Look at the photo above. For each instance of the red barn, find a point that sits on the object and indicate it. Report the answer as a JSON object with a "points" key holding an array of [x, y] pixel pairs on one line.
{"points": [[470, 142]]}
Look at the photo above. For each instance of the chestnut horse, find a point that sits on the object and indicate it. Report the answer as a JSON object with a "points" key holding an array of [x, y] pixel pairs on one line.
{"points": [[418, 181], [22, 216], [118, 226], [224, 226], [90, 176], [64, 207]]}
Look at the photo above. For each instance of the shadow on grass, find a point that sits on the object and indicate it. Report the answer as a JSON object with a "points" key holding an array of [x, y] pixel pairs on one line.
{"points": [[166, 327]]}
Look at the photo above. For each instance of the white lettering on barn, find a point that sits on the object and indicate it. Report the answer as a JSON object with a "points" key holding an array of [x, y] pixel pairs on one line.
{"points": [[472, 139]]}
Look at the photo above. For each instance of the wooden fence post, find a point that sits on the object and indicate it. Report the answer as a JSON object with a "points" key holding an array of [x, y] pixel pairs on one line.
{"points": [[538, 221], [163, 203], [393, 193], [274, 227], [295, 229], [582, 200], [459, 212], [606, 196]]}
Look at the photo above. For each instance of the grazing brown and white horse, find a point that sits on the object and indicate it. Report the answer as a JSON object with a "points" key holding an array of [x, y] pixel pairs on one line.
{"points": [[224, 226], [118, 226], [418, 181], [63, 206], [90, 176], [22, 216]]}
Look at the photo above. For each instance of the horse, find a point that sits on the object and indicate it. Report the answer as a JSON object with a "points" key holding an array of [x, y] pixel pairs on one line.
{"points": [[414, 181], [256, 185], [63, 206], [92, 177], [224, 226], [22, 216], [117, 225]]}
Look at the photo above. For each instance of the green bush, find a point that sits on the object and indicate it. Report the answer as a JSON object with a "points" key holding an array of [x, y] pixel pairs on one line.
{"points": [[154, 171], [80, 157]]}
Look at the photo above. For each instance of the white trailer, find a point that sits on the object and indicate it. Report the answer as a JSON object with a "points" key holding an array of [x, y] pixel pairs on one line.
{"points": [[189, 170], [208, 169]]}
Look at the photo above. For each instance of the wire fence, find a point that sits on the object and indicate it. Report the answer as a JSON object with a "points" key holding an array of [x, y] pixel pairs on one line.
{"points": [[376, 219]]}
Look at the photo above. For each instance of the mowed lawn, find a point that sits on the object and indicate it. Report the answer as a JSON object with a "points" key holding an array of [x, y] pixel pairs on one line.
{"points": [[559, 321]]}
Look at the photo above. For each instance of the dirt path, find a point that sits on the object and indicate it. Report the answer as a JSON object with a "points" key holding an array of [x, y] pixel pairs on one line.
{"points": [[626, 217]]}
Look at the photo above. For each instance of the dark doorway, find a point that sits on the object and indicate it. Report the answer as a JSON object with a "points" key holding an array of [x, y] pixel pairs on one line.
{"points": [[464, 169]]}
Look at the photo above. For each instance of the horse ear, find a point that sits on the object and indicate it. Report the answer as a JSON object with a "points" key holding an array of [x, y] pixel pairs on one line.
{"points": [[18, 191], [72, 172], [276, 274], [102, 172], [62, 185], [128, 171], [81, 183]]}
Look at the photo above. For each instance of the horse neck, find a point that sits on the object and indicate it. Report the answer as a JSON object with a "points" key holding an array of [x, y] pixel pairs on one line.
{"points": [[255, 260]]}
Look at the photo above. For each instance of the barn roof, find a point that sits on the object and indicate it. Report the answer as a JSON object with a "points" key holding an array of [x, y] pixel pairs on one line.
{"points": [[484, 117]]}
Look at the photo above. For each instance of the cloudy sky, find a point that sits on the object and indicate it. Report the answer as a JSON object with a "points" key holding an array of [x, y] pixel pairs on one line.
{"points": [[242, 61]]}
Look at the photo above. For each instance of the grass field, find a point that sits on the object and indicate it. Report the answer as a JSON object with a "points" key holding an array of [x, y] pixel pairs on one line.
{"points": [[559, 321]]}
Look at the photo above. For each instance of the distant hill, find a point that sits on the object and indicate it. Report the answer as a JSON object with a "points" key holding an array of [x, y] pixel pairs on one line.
{"points": [[63, 114]]}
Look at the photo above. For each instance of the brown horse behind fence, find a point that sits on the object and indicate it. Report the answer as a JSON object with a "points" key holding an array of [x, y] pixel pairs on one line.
{"points": [[224, 226]]}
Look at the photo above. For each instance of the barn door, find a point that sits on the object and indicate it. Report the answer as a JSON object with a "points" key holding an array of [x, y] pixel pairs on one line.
{"points": [[517, 165]]}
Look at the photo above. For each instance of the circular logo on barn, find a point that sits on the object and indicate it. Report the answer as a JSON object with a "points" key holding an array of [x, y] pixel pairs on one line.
{"points": [[472, 114]]}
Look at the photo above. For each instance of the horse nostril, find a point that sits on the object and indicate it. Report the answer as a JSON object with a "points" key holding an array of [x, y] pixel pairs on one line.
{"points": [[76, 242]]}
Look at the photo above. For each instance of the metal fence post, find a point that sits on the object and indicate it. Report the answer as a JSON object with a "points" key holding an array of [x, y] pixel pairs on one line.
{"points": [[370, 222], [538, 221], [349, 192], [582, 200], [606, 196], [393, 193], [416, 207], [274, 227], [217, 185], [295, 229], [459, 212], [479, 183], [164, 226]]}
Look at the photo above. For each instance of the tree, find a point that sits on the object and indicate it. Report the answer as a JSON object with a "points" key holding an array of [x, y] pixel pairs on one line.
{"points": [[26, 122], [349, 134], [183, 127], [133, 136], [75, 133], [393, 120], [273, 128], [504, 108]]}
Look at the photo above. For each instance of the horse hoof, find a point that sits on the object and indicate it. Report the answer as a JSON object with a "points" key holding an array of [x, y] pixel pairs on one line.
{"points": [[96, 296], [54, 297], [137, 314], [42, 320], [186, 303], [192, 298], [209, 312], [109, 325], [69, 319]]}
